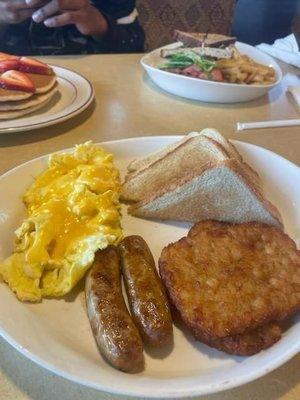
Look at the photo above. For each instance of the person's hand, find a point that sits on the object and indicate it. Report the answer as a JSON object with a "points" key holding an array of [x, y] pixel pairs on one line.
{"points": [[15, 11], [87, 19]]}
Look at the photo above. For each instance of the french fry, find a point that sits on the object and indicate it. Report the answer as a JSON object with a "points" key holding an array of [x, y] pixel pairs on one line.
{"points": [[258, 78], [243, 70], [250, 76]]}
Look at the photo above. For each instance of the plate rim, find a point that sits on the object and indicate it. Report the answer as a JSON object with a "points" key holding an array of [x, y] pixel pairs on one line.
{"points": [[155, 137], [56, 120], [146, 66], [178, 393]]}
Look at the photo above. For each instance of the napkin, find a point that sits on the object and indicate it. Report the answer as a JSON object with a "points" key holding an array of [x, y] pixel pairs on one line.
{"points": [[295, 92], [285, 49]]}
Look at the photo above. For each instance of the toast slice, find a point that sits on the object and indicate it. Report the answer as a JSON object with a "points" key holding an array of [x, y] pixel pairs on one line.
{"points": [[215, 135], [195, 39], [218, 191], [233, 153], [144, 162], [208, 132], [191, 154]]}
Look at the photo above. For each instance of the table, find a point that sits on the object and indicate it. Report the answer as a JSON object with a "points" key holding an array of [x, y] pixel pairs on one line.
{"points": [[128, 105]]}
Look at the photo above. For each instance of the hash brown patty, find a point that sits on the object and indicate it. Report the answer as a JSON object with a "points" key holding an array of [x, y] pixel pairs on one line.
{"points": [[228, 279], [248, 343]]}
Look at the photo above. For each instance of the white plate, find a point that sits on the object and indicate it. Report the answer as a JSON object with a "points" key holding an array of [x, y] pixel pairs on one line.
{"points": [[56, 333], [75, 94], [203, 90]]}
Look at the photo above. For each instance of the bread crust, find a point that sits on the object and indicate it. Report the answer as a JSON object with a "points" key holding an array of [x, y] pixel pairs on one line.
{"points": [[142, 162], [194, 39], [233, 164], [129, 195], [139, 165]]}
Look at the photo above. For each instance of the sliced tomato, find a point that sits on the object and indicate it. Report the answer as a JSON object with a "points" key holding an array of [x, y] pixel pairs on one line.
{"points": [[192, 70], [216, 75]]}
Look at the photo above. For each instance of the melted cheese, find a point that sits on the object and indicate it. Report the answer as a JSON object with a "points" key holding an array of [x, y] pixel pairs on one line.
{"points": [[72, 211]]}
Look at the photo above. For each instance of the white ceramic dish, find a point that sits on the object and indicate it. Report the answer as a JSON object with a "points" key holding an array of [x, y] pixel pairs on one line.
{"points": [[75, 94], [209, 91], [56, 333]]}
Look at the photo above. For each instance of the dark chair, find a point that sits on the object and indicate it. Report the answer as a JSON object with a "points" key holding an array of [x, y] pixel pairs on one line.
{"points": [[263, 20], [159, 18]]}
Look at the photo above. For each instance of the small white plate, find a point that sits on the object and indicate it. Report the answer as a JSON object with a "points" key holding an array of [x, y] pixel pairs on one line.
{"points": [[204, 90], [75, 94], [56, 333]]}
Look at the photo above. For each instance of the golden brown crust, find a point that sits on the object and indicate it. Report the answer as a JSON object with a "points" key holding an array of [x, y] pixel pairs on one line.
{"points": [[246, 344], [251, 174], [193, 39], [42, 83], [133, 174], [12, 114], [226, 279], [12, 95], [116, 335], [127, 197], [234, 165], [146, 295], [231, 163], [36, 99], [173, 185]]}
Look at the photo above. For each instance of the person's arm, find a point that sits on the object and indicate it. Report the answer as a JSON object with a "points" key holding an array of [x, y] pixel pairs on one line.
{"points": [[121, 37], [110, 25], [81, 13], [14, 12], [125, 34]]}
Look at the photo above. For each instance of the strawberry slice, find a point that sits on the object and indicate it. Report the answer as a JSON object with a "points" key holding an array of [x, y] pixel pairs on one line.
{"points": [[15, 80], [5, 56], [6, 65], [33, 66]]}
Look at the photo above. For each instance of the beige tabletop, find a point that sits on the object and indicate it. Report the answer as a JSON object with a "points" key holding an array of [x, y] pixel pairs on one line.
{"points": [[127, 104]]}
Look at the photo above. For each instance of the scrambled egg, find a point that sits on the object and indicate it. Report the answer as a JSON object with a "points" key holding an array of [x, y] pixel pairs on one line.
{"points": [[72, 211]]}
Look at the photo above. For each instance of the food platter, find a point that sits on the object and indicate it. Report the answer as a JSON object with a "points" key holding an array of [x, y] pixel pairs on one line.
{"points": [[56, 333], [75, 94], [209, 91]]}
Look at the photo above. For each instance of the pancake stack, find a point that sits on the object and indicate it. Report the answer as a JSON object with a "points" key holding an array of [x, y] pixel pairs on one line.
{"points": [[26, 85]]}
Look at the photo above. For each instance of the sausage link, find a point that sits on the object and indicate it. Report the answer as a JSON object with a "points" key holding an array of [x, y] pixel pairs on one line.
{"points": [[116, 335], [146, 296]]}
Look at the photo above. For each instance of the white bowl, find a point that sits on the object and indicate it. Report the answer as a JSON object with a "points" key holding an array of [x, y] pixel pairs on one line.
{"points": [[203, 90]]}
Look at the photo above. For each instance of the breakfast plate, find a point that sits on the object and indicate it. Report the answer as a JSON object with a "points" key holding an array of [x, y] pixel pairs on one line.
{"points": [[206, 90], [56, 333], [75, 93]]}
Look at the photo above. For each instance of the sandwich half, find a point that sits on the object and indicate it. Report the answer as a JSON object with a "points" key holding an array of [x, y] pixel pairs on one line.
{"points": [[195, 39]]}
